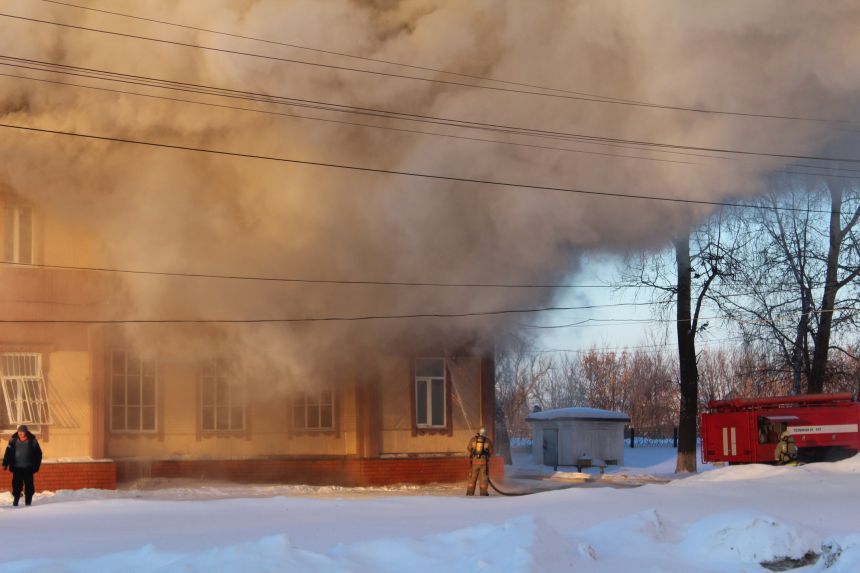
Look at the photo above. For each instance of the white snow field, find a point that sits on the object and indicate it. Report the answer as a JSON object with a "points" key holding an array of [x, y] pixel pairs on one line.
{"points": [[725, 520]]}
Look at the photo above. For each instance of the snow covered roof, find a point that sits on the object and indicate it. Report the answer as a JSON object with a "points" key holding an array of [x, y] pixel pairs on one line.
{"points": [[578, 414]]}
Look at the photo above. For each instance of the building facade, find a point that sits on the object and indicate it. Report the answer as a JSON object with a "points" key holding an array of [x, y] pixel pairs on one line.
{"points": [[106, 411]]}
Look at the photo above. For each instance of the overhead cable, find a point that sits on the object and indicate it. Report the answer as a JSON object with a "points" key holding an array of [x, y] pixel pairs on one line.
{"points": [[161, 83], [361, 318], [422, 79], [335, 121], [429, 176], [586, 138], [312, 319]]}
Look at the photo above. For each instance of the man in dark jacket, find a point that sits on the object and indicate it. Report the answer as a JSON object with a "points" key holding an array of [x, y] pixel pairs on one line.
{"points": [[23, 457]]}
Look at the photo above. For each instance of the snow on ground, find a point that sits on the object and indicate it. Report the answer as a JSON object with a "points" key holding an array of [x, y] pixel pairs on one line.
{"points": [[724, 520]]}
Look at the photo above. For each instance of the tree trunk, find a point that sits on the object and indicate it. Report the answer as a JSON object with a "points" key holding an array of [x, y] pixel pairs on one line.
{"points": [[828, 299], [799, 355], [503, 440], [687, 419]]}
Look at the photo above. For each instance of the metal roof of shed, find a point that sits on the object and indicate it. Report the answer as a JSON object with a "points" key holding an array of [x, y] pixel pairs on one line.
{"points": [[594, 414]]}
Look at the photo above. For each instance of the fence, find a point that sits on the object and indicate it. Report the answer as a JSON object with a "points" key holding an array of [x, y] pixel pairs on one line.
{"points": [[654, 436]]}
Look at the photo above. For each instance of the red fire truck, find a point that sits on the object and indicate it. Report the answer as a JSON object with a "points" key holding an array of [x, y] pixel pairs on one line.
{"points": [[746, 430]]}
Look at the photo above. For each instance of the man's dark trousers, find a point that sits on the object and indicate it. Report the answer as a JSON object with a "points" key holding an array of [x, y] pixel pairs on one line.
{"points": [[23, 479]]}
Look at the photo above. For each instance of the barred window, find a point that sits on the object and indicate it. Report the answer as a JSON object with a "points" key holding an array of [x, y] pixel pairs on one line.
{"points": [[18, 234], [222, 404], [314, 410], [133, 393], [430, 393], [24, 393]]}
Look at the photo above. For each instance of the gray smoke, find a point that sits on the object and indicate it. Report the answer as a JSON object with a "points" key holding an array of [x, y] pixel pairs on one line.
{"points": [[165, 210]]}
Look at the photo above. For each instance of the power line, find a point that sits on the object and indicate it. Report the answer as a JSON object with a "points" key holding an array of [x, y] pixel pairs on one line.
{"points": [[590, 322], [396, 172], [423, 79], [382, 127], [336, 53], [825, 175], [584, 138], [312, 319], [605, 350], [149, 81], [827, 167], [304, 280], [634, 321], [335, 121], [354, 318]]}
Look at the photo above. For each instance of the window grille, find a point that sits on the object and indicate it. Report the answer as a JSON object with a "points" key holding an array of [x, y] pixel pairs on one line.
{"points": [[222, 404], [430, 393], [24, 392]]}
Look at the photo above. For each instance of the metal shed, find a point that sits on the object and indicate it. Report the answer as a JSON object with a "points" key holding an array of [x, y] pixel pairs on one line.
{"points": [[578, 436]]}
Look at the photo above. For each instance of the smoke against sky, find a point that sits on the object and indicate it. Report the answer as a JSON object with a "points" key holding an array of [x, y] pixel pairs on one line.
{"points": [[168, 210]]}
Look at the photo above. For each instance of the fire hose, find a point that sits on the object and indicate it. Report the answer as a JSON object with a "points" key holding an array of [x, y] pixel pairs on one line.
{"points": [[492, 485]]}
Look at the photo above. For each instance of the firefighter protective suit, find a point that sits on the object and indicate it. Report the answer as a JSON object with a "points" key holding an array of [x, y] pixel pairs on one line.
{"points": [[786, 449], [480, 450]]}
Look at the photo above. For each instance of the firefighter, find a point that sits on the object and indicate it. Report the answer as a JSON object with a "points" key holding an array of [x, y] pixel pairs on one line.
{"points": [[480, 449], [786, 449]]}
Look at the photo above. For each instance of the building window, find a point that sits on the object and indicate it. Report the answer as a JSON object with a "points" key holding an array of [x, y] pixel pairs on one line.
{"points": [[430, 393], [18, 234], [24, 393], [222, 404], [133, 393], [314, 410]]}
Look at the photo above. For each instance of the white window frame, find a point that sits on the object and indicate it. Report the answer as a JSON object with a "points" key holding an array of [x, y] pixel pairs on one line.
{"points": [[428, 381], [126, 377], [232, 396], [24, 390], [302, 405], [14, 237]]}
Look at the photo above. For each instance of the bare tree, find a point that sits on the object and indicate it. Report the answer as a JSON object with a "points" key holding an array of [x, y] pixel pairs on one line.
{"points": [[792, 288], [520, 369], [700, 258], [744, 370], [563, 385], [654, 389]]}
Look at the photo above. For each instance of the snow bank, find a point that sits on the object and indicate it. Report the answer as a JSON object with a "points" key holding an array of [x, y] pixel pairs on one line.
{"points": [[524, 544], [839, 556], [725, 521], [747, 537]]}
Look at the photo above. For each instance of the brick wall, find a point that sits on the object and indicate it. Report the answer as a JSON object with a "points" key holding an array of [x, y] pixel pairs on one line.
{"points": [[53, 476], [334, 471], [317, 471]]}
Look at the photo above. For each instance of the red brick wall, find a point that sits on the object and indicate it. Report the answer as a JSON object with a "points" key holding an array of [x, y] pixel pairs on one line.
{"points": [[331, 471], [75, 475], [334, 471]]}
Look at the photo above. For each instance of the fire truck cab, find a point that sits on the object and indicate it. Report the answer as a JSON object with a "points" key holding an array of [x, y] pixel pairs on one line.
{"points": [[746, 430]]}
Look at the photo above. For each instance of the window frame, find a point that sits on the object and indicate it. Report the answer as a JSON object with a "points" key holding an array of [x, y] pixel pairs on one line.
{"points": [[304, 396], [155, 394], [13, 233], [41, 404], [428, 428], [218, 368]]}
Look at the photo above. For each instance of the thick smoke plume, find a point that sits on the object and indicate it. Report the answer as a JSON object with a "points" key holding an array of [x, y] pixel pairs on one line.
{"points": [[157, 209]]}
